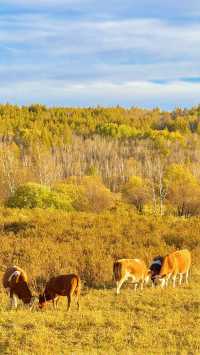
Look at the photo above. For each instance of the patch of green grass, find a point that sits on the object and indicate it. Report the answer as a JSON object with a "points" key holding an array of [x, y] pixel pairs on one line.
{"points": [[152, 321]]}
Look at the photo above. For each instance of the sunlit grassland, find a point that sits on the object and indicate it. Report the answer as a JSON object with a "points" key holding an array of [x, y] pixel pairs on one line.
{"points": [[154, 321], [47, 243]]}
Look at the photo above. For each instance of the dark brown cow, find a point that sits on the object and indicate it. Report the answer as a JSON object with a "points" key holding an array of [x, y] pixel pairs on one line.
{"points": [[15, 281], [63, 285]]}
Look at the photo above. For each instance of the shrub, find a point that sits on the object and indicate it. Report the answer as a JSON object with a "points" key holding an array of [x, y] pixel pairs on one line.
{"points": [[69, 189], [136, 192], [32, 195], [94, 196], [183, 190]]}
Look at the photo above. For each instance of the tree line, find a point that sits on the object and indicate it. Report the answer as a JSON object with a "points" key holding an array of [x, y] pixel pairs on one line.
{"points": [[148, 159]]}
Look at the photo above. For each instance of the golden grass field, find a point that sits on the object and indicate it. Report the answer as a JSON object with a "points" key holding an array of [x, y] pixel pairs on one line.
{"points": [[47, 243], [152, 321]]}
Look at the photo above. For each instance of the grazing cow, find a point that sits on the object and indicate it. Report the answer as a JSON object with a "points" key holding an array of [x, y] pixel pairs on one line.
{"points": [[176, 263], [63, 285], [15, 281], [130, 268]]}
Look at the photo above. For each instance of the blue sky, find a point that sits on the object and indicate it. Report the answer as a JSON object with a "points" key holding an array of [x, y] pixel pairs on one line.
{"points": [[87, 53]]}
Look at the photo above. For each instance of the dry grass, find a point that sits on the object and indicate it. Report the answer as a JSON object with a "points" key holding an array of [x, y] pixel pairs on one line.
{"points": [[154, 321], [151, 322]]}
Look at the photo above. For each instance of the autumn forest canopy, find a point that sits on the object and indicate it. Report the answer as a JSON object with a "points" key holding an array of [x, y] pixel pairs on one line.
{"points": [[95, 159]]}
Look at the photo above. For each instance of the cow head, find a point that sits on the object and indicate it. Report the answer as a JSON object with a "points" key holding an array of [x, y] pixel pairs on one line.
{"points": [[155, 268], [167, 267], [43, 299]]}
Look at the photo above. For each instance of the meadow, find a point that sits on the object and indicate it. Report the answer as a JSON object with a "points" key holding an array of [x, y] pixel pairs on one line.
{"points": [[50, 242], [154, 321]]}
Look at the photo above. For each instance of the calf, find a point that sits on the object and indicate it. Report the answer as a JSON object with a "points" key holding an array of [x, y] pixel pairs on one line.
{"points": [[63, 285], [15, 281], [176, 263], [130, 268]]}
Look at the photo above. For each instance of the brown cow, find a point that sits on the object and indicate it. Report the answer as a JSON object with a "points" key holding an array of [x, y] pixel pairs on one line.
{"points": [[63, 285], [15, 281], [176, 263], [135, 269]]}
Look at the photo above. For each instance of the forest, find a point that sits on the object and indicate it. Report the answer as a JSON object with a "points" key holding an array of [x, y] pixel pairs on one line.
{"points": [[95, 159]]}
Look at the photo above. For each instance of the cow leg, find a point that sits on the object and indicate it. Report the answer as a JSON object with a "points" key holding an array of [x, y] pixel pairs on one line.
{"points": [[136, 284], [186, 277], [77, 295], [119, 284], [163, 283], [167, 280], [54, 303], [68, 301], [180, 279], [147, 280], [77, 300], [14, 301], [142, 285], [174, 280]]}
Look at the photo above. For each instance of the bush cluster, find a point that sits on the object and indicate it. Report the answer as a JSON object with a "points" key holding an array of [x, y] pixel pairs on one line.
{"points": [[83, 194]]}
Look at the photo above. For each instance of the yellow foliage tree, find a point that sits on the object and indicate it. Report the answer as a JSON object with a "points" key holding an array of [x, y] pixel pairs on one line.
{"points": [[183, 190]]}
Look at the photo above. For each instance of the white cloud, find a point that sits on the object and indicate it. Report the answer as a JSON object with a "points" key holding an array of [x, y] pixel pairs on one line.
{"points": [[145, 50], [141, 93], [114, 73], [98, 62], [147, 37]]}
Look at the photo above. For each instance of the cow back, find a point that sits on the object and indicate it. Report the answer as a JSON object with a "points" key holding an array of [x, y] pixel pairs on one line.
{"points": [[136, 267], [62, 284], [176, 262]]}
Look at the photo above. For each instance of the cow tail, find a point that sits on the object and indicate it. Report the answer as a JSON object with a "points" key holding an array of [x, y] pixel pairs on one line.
{"points": [[117, 270]]}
